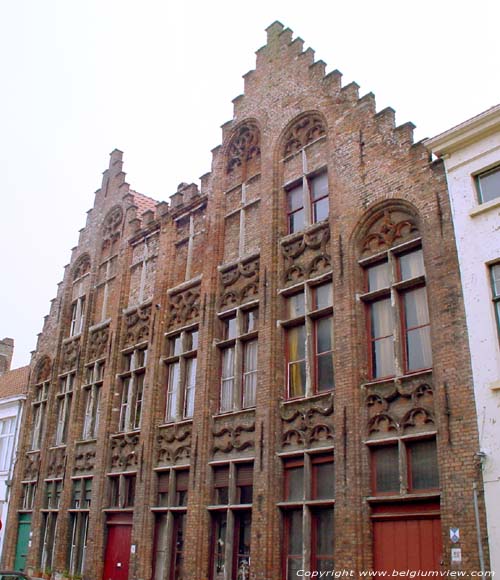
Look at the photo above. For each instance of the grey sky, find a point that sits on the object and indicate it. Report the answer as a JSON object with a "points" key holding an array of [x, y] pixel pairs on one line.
{"points": [[156, 79]]}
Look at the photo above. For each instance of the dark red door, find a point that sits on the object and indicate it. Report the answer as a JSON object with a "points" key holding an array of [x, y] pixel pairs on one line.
{"points": [[117, 553], [407, 544]]}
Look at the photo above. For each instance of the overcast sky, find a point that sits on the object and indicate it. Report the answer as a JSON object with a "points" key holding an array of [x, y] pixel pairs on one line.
{"points": [[156, 78]]}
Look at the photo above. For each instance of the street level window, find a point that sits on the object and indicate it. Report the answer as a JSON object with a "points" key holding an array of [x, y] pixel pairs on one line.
{"points": [[79, 523], [121, 490], [488, 185], [309, 340]]}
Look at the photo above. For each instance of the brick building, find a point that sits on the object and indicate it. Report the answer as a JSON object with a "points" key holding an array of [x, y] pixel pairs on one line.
{"points": [[270, 373]]}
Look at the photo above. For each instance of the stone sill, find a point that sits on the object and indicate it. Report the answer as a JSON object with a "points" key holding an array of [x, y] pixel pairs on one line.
{"points": [[484, 207]]}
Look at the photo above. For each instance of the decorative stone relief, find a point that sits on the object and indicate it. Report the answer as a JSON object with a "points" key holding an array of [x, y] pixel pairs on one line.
{"points": [[125, 452], [82, 267], [112, 227], [98, 342], [304, 131], [173, 445], [137, 322], [307, 424], [85, 458], [388, 228], [399, 409], [307, 254], [183, 307], [56, 462], [43, 369], [70, 352], [244, 146], [234, 435], [240, 283], [31, 467]]}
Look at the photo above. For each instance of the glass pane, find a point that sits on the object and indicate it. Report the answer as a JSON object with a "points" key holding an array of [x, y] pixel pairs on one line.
{"points": [[419, 348], [192, 340], [228, 363], [295, 305], [383, 357], [489, 185], [416, 311], [297, 379], [226, 396], [296, 343], [175, 346], [295, 569], [173, 391], [324, 480], [295, 198], [250, 356], [251, 318], [294, 483], [296, 221], [323, 533], [411, 265], [324, 335], [160, 548], [190, 387], [141, 357], [379, 276], [381, 318], [323, 296], [294, 523], [219, 546], [423, 465], [386, 468], [318, 185], [230, 327], [495, 271], [325, 372], [320, 210]]}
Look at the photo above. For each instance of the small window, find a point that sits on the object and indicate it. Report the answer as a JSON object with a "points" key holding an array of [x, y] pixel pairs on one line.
{"points": [[181, 487], [423, 465], [221, 485], [495, 286], [488, 185], [294, 481], [386, 469], [163, 483]]}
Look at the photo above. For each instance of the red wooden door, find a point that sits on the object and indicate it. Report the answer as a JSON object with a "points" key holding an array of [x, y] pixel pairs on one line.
{"points": [[117, 556], [407, 544]]}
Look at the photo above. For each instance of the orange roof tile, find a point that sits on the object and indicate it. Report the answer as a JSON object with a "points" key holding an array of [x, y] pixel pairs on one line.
{"points": [[14, 382], [143, 202]]}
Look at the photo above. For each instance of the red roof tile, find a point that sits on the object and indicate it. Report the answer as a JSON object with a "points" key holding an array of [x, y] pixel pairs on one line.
{"points": [[14, 382], [143, 202]]}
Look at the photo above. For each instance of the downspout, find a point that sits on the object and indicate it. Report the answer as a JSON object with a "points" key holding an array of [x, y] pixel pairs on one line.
{"points": [[478, 528]]}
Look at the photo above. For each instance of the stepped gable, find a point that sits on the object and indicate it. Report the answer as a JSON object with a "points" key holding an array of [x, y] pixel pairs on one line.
{"points": [[14, 382]]}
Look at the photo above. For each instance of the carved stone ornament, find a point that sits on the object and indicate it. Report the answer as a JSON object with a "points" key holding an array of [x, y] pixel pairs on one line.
{"points": [[31, 466], [244, 146], [389, 228], [240, 283], [70, 352], [400, 409], [43, 369], [304, 131], [183, 307], [81, 267], [236, 435], [173, 445], [56, 462], [98, 342], [85, 458], [112, 227], [137, 324], [306, 425], [307, 254], [125, 452]]}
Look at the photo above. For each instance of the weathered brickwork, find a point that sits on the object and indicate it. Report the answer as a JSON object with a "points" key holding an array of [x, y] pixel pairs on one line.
{"points": [[147, 275]]}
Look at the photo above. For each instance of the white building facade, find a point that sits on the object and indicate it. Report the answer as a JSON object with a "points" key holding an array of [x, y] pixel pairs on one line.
{"points": [[13, 385], [471, 154]]}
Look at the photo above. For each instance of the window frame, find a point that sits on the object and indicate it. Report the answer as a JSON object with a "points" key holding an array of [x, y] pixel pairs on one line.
{"points": [[495, 295], [79, 512], [7, 442], [77, 321], [477, 181], [133, 384], [308, 203], [92, 391], [121, 491], [39, 412], [64, 399]]}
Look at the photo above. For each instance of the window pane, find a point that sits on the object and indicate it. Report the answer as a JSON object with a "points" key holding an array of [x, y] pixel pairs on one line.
{"points": [[228, 363], [324, 480], [383, 358], [419, 348], [295, 533], [381, 318], [323, 296], [416, 311], [190, 387], [379, 276], [319, 186], [495, 272], [323, 535], [219, 545], [411, 265], [423, 465], [192, 340], [251, 318], [230, 327], [296, 343], [294, 483], [320, 210], [386, 468], [296, 221], [418, 344], [325, 372], [243, 525], [295, 305], [250, 373], [173, 391], [324, 335], [295, 198], [227, 382], [175, 346], [489, 185], [297, 379]]}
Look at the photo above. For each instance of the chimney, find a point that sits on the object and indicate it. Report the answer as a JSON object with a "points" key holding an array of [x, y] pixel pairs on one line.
{"points": [[6, 352]]}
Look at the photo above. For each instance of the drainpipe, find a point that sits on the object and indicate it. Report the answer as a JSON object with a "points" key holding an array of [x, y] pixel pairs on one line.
{"points": [[478, 528]]}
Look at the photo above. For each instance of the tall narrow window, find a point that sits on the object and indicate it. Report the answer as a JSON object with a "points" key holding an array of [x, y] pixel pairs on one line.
{"points": [[309, 491], [51, 500], [7, 432], [92, 397], [39, 409], [396, 302], [231, 520], [181, 374], [64, 398], [495, 286], [239, 352], [132, 379], [79, 522], [307, 201], [77, 316], [309, 340]]}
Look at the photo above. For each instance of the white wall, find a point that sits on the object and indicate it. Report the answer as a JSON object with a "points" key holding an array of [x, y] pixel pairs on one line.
{"points": [[477, 229]]}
